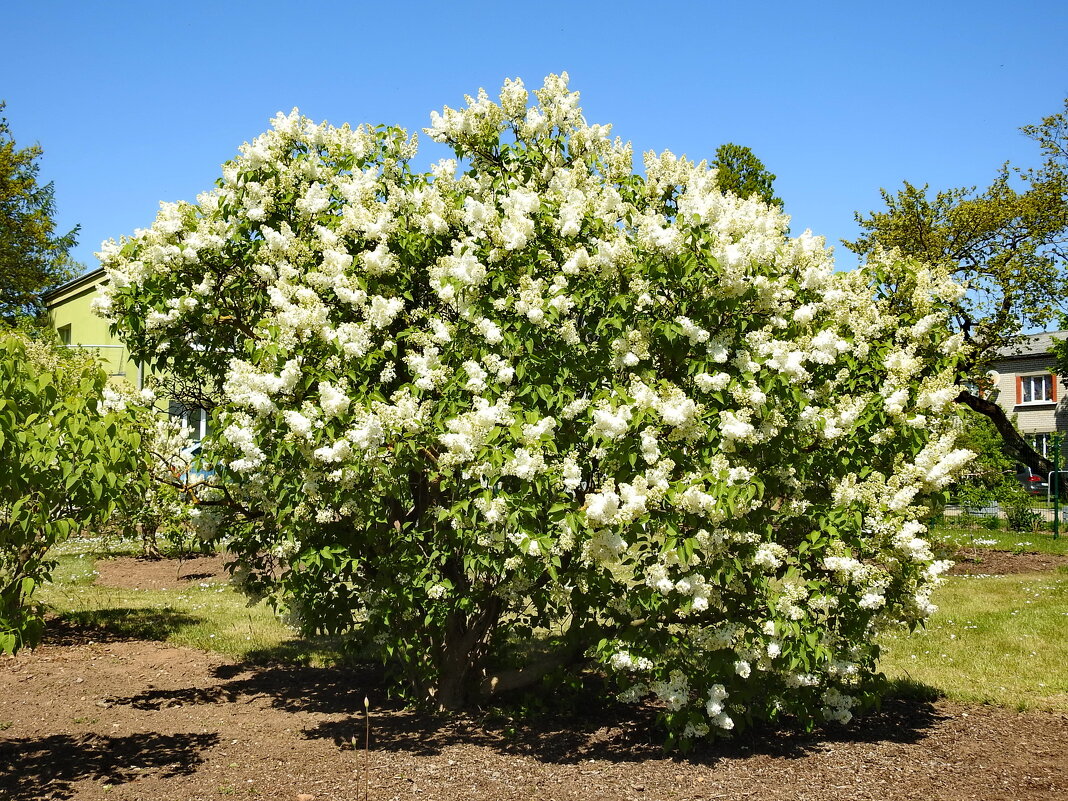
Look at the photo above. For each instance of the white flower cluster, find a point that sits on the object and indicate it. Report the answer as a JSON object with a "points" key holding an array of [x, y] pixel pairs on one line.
{"points": [[623, 660], [717, 694], [837, 705]]}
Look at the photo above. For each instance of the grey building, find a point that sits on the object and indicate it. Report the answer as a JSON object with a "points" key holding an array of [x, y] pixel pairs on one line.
{"points": [[1028, 390]]}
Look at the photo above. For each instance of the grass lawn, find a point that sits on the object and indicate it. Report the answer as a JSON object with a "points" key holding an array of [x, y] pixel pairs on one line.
{"points": [[1000, 639], [1001, 539], [208, 615], [995, 639]]}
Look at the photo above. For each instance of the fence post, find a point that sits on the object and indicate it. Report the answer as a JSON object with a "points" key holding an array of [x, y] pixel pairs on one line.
{"points": [[1055, 485]]}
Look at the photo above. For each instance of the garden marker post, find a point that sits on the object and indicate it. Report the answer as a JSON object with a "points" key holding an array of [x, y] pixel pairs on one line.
{"points": [[1055, 486]]}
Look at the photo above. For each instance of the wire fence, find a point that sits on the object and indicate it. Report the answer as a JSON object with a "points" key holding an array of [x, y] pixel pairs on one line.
{"points": [[975, 508]]}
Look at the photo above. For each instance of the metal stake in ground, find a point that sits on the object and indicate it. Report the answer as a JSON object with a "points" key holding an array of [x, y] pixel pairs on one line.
{"points": [[1055, 485]]}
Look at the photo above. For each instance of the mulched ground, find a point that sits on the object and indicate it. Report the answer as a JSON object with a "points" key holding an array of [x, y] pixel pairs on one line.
{"points": [[167, 574], [91, 716], [980, 561], [134, 572]]}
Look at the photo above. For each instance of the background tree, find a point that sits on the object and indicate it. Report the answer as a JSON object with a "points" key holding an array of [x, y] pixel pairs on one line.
{"points": [[1006, 243], [981, 437], [739, 171], [1052, 136], [33, 257]]}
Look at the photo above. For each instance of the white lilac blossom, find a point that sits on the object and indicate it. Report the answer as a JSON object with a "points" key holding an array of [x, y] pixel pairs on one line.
{"points": [[516, 391], [770, 555]]}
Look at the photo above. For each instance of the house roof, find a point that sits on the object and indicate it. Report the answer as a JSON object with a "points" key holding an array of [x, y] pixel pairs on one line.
{"points": [[1032, 345], [82, 281]]}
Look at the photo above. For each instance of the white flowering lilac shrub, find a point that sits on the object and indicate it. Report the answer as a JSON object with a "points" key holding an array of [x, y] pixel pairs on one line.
{"points": [[530, 409], [159, 492]]}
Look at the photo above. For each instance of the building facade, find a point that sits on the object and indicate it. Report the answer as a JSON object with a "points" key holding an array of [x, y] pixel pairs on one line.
{"points": [[1029, 391], [69, 313]]}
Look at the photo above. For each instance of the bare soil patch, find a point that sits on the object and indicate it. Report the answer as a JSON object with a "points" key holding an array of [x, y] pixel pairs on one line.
{"points": [[137, 572], [980, 561], [93, 716], [90, 716]]}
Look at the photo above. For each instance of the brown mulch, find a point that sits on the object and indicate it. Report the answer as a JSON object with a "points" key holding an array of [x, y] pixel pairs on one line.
{"points": [[140, 573], [90, 715], [980, 561], [137, 572]]}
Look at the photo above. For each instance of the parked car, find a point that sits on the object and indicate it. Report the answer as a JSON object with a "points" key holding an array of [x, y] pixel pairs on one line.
{"points": [[1032, 482]]}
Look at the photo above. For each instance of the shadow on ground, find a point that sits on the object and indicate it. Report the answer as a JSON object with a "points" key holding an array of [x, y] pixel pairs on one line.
{"points": [[618, 733], [580, 727], [48, 767], [320, 649], [117, 624]]}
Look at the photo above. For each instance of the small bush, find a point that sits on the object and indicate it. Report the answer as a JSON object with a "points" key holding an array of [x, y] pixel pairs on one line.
{"points": [[65, 455], [1020, 516]]}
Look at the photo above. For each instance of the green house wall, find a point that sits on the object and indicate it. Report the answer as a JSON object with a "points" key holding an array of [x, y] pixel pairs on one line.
{"points": [[69, 305]]}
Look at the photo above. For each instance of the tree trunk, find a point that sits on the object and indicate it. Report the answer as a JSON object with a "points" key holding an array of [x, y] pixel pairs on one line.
{"points": [[461, 652], [517, 679], [451, 691], [149, 543], [1015, 444]]}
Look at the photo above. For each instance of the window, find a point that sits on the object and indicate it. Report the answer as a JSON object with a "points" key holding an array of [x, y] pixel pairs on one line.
{"points": [[1043, 443], [64, 334], [1036, 389], [195, 419]]}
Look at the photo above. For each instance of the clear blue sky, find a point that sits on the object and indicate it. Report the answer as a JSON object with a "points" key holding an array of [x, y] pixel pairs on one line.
{"points": [[137, 102]]}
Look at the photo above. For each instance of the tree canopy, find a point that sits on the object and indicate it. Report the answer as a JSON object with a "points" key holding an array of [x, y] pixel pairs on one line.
{"points": [[738, 170], [33, 256], [1006, 243]]}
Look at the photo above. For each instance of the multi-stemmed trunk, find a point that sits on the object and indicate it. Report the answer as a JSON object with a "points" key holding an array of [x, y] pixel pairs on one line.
{"points": [[465, 674]]}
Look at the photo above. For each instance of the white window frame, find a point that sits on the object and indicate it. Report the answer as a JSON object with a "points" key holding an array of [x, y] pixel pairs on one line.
{"points": [[1028, 385], [1041, 442], [195, 420]]}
